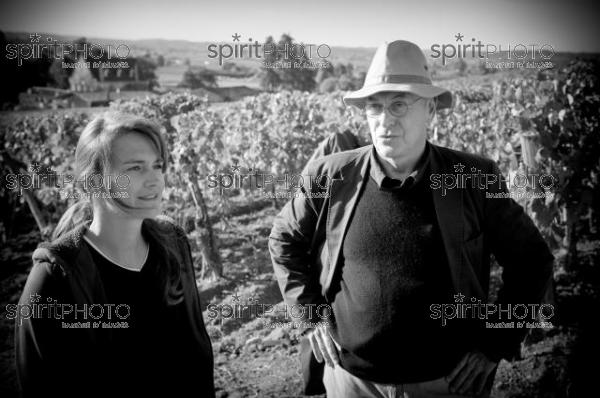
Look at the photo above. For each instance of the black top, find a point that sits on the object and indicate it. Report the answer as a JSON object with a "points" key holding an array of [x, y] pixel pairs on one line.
{"points": [[149, 355], [61, 353], [394, 268]]}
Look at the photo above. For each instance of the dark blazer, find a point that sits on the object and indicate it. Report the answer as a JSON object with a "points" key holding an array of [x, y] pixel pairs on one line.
{"points": [[307, 237], [53, 361], [333, 143]]}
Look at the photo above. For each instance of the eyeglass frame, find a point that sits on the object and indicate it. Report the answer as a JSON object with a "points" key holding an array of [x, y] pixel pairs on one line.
{"points": [[386, 107]]}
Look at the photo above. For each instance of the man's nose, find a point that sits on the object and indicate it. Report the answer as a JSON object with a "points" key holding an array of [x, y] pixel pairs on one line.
{"points": [[386, 119]]}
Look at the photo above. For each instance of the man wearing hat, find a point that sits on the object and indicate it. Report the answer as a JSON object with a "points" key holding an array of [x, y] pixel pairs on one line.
{"points": [[380, 245]]}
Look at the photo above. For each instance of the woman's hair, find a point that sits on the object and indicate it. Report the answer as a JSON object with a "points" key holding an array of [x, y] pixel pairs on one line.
{"points": [[93, 154]]}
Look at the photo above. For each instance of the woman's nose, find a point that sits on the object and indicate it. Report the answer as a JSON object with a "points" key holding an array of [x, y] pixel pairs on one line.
{"points": [[153, 177]]}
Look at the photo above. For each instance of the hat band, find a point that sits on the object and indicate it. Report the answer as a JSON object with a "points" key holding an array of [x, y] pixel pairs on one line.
{"points": [[399, 79]]}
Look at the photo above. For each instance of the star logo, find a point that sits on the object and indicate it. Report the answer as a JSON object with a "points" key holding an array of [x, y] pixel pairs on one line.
{"points": [[34, 297], [235, 297], [458, 298], [458, 37], [34, 167], [235, 168], [35, 37], [458, 168], [236, 37]]}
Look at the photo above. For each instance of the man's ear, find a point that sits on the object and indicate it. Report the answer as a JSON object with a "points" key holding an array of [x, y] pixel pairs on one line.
{"points": [[431, 108]]}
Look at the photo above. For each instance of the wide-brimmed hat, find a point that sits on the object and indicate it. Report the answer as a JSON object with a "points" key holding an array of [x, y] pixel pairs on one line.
{"points": [[399, 66]]}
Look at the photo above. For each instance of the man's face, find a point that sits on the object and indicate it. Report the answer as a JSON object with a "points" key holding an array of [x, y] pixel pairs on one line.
{"points": [[398, 136]]}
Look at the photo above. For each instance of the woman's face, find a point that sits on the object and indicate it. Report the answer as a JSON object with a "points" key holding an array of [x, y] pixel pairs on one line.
{"points": [[135, 156]]}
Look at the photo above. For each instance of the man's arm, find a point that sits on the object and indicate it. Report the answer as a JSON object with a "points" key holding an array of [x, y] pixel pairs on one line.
{"points": [[527, 278], [290, 244], [526, 261], [293, 244]]}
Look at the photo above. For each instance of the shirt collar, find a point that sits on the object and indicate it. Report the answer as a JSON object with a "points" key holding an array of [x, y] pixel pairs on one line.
{"points": [[384, 182]]}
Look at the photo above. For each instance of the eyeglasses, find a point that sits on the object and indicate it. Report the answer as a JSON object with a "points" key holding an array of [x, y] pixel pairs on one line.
{"points": [[396, 108]]}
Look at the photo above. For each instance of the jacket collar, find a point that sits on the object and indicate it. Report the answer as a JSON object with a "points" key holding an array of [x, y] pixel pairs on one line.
{"points": [[73, 258], [377, 172]]}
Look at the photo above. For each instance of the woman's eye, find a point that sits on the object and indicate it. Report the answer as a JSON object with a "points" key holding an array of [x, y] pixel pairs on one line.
{"points": [[134, 168], [158, 166]]}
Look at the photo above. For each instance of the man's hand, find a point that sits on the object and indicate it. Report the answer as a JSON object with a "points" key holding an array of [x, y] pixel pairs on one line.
{"points": [[323, 346], [471, 374]]}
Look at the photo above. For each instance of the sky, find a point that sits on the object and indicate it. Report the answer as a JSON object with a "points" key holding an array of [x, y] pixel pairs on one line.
{"points": [[570, 25]]}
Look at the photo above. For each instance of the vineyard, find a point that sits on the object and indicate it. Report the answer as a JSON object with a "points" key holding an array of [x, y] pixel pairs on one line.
{"points": [[539, 123]]}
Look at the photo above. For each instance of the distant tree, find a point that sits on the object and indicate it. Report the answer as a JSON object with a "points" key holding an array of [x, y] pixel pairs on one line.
{"points": [[483, 69], [146, 68], [160, 60], [340, 69], [359, 80], [324, 73], [199, 78], [349, 69], [461, 67], [329, 85], [82, 79], [345, 83], [60, 75], [269, 79], [295, 77]]}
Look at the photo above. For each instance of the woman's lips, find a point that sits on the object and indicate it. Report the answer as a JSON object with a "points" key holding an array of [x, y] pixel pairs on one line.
{"points": [[149, 197]]}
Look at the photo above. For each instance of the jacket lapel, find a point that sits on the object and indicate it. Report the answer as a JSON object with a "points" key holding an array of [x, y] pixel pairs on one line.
{"points": [[344, 193], [449, 211]]}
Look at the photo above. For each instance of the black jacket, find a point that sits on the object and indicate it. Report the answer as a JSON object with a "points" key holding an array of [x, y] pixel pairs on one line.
{"points": [[52, 361], [307, 237]]}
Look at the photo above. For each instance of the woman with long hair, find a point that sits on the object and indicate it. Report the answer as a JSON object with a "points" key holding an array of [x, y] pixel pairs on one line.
{"points": [[111, 305]]}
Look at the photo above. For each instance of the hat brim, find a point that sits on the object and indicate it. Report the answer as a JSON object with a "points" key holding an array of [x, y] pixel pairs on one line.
{"points": [[443, 97]]}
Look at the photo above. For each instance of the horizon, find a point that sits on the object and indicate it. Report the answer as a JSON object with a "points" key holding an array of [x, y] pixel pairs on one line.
{"points": [[156, 39], [568, 26]]}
